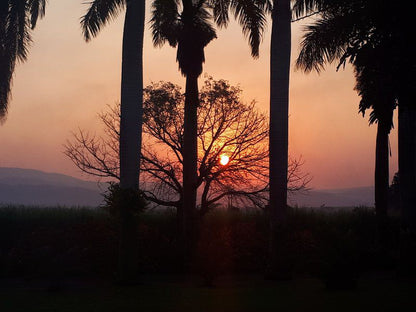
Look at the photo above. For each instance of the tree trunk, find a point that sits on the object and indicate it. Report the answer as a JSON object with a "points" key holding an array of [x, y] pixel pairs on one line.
{"points": [[407, 163], [278, 138], [407, 188], [381, 177], [190, 154], [381, 174], [130, 133]]}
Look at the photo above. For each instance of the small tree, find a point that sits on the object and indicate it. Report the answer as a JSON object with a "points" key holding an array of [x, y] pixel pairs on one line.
{"points": [[226, 126]]}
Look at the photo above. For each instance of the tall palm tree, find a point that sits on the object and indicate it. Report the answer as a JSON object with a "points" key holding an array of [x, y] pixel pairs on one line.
{"points": [[98, 15], [17, 20], [187, 25], [343, 33], [190, 31], [380, 27], [375, 85], [405, 50], [279, 129], [280, 51]]}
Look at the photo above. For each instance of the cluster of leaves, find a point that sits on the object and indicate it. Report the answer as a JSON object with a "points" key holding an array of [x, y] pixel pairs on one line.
{"points": [[17, 20], [117, 198], [369, 34]]}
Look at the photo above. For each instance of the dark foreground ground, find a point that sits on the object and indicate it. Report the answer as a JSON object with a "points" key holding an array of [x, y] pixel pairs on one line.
{"points": [[249, 293], [58, 259]]}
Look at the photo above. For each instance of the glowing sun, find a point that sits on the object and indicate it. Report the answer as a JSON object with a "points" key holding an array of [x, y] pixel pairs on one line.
{"points": [[224, 159]]}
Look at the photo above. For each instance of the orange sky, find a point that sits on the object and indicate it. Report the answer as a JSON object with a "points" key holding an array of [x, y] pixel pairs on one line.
{"points": [[66, 82]]}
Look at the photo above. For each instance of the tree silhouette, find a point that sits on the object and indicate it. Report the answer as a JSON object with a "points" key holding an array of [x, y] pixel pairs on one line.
{"points": [[17, 20], [341, 34], [376, 40], [279, 127], [279, 111], [226, 127], [187, 25], [99, 13]]}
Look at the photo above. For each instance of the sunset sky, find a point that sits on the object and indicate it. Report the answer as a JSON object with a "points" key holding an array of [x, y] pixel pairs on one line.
{"points": [[66, 82]]}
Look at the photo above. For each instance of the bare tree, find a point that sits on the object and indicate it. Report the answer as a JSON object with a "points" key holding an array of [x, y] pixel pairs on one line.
{"points": [[226, 127]]}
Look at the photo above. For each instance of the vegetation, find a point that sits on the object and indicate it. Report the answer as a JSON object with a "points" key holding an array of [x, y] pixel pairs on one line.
{"points": [[226, 126], [98, 15], [370, 35], [340, 34], [279, 130], [17, 21], [59, 243], [187, 25], [337, 248]]}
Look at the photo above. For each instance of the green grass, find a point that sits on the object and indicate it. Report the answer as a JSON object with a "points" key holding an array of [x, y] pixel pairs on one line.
{"points": [[252, 294]]}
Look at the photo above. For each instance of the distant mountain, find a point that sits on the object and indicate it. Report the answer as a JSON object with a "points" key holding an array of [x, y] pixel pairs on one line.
{"points": [[349, 197], [34, 187]]}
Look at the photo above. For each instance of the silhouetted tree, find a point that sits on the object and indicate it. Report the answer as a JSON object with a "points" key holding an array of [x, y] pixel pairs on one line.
{"points": [[394, 193], [385, 28], [17, 20], [187, 25], [279, 112], [226, 126], [340, 34], [279, 127], [99, 13]]}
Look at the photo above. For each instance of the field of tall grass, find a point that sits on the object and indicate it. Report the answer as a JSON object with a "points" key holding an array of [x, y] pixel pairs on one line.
{"points": [[59, 242]]}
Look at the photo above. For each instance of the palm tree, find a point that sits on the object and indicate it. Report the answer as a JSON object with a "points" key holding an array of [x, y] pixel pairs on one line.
{"points": [[99, 14], [342, 33], [279, 111], [278, 137], [187, 25], [191, 31], [17, 20], [382, 26], [387, 24], [375, 85]]}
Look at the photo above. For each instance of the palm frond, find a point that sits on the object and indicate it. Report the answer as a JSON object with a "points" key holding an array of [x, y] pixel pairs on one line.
{"points": [[375, 82], [305, 7], [17, 19], [251, 16], [7, 65], [195, 32], [99, 13], [15, 39], [325, 41], [37, 10], [164, 22], [220, 10]]}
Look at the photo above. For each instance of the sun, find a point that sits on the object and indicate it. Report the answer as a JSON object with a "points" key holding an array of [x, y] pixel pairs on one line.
{"points": [[224, 159]]}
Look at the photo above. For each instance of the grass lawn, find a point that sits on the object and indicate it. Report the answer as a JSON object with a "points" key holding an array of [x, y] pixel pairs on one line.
{"points": [[250, 294]]}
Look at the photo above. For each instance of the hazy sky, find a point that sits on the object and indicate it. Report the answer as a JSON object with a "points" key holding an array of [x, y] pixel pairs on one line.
{"points": [[66, 82]]}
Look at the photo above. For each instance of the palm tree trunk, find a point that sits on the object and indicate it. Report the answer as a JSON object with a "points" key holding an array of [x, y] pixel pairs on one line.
{"points": [[407, 188], [130, 133], [279, 111], [190, 153], [407, 163], [381, 177]]}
